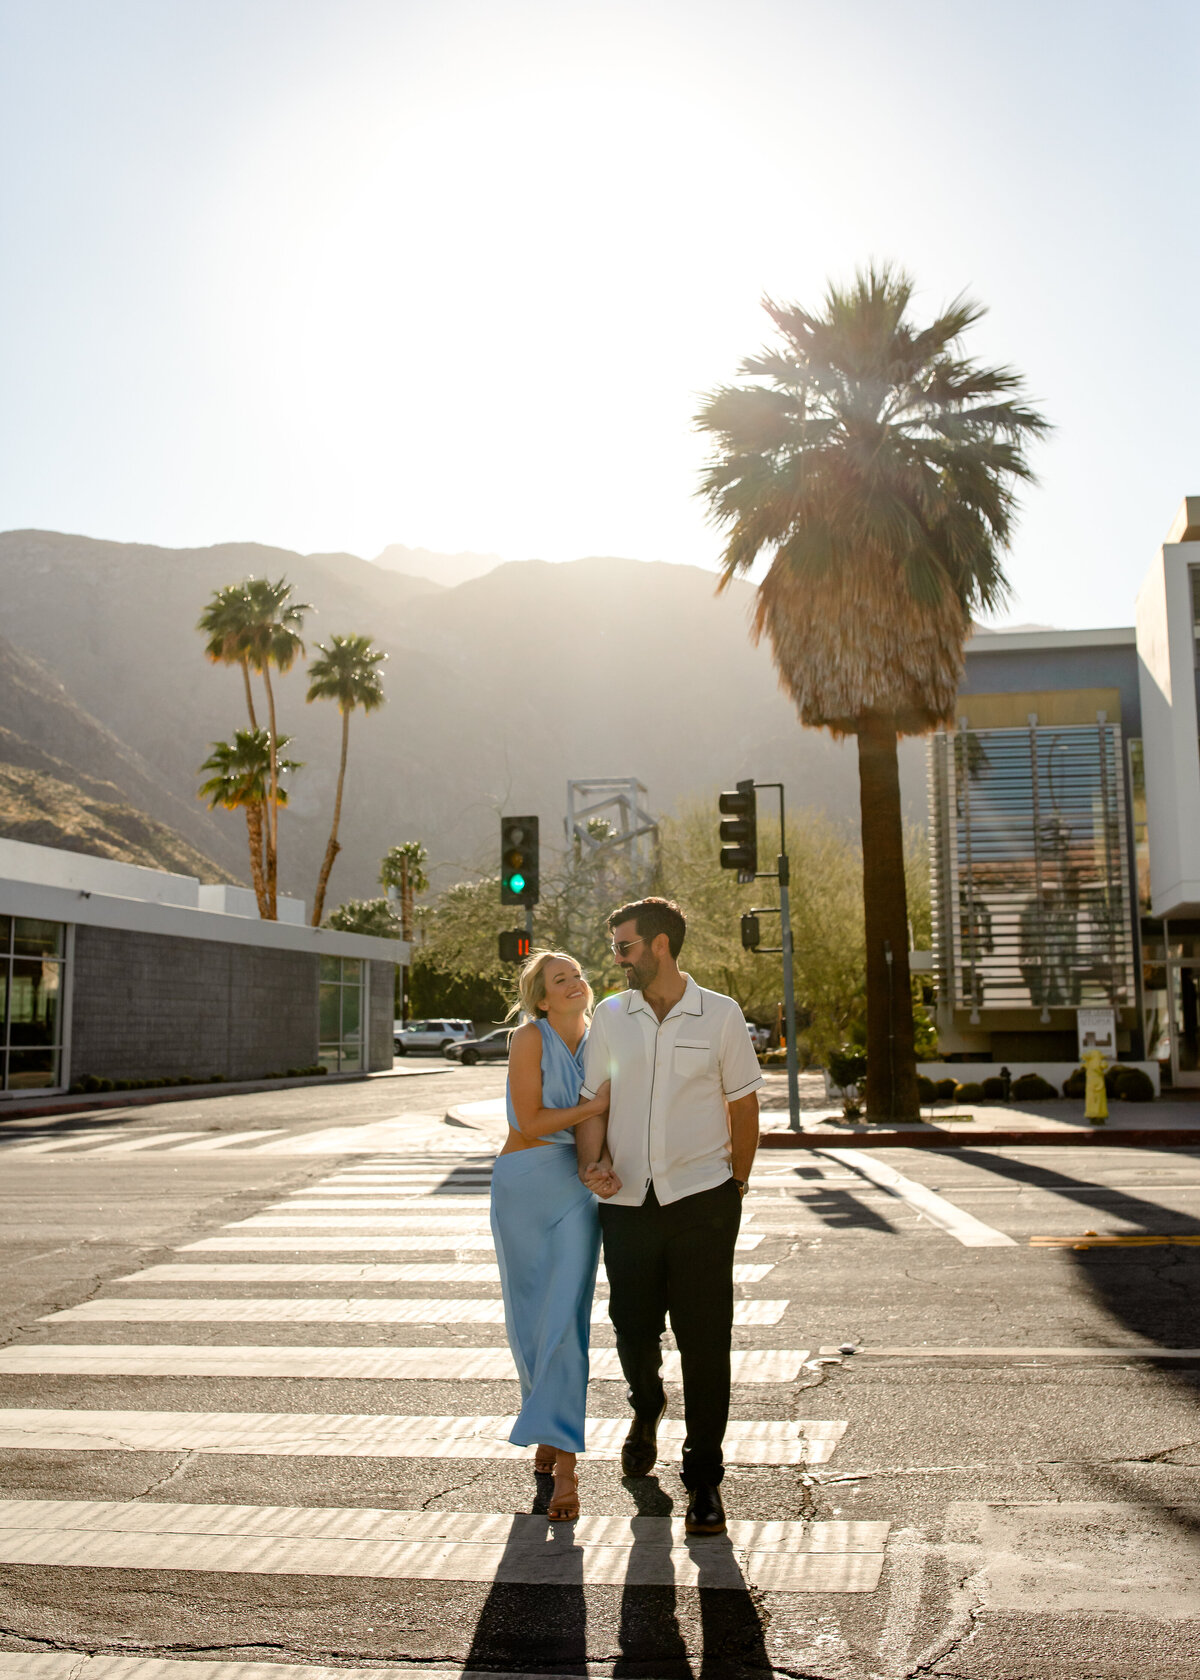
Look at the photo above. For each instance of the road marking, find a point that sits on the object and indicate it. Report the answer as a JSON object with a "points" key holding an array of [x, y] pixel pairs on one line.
{"points": [[305, 1202], [460, 1243], [440, 1546], [375, 1435], [226, 1140], [336, 1310], [1141, 1352], [460, 1219], [350, 1271], [963, 1227], [141, 1142], [77, 1665], [78, 1141], [1134, 1240], [462, 1364]]}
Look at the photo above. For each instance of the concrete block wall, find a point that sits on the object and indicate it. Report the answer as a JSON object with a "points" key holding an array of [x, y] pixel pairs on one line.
{"points": [[380, 1041], [148, 1006]]}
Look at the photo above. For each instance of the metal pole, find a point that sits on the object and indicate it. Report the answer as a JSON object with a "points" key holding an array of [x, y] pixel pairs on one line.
{"points": [[789, 996], [529, 924]]}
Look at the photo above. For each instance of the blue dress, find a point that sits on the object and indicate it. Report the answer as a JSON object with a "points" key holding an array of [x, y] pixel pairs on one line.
{"points": [[547, 1233]]}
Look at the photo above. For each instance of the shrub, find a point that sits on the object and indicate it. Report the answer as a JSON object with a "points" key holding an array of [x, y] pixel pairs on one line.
{"points": [[970, 1092], [1134, 1085], [946, 1088], [1031, 1087], [926, 1090], [1075, 1083], [993, 1088], [847, 1066]]}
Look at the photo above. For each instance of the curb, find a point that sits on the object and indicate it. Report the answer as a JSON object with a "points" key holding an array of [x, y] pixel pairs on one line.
{"points": [[933, 1137]]}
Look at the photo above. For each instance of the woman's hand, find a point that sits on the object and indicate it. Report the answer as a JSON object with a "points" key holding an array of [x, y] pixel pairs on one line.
{"points": [[600, 1178], [598, 1106]]}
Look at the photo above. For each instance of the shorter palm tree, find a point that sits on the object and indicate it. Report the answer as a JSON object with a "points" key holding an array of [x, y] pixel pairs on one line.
{"points": [[239, 780], [404, 869], [346, 671]]}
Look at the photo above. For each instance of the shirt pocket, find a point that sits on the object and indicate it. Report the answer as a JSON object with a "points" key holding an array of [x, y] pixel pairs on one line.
{"points": [[691, 1057]]}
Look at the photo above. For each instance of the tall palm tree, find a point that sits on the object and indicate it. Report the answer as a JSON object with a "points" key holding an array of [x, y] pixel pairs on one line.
{"points": [[404, 869], [348, 672], [225, 622], [878, 468], [239, 779], [272, 632]]}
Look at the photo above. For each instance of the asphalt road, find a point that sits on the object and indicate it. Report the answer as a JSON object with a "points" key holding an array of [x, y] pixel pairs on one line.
{"points": [[213, 1463]]}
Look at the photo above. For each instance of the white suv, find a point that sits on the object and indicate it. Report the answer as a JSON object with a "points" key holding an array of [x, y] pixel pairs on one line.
{"points": [[429, 1035]]}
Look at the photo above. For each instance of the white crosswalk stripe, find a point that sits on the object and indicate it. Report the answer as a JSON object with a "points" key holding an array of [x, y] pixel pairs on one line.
{"points": [[372, 1435], [754, 1365], [332, 1309], [77, 1665], [426, 1203]]}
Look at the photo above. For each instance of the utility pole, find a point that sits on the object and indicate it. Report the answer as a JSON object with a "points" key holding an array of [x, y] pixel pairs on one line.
{"points": [[739, 851]]}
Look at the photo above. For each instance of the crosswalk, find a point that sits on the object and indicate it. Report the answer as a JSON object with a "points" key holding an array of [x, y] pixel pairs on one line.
{"points": [[441, 1196]]}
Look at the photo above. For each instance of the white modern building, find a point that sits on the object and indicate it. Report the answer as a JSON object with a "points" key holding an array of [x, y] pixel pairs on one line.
{"points": [[122, 973], [1065, 826]]}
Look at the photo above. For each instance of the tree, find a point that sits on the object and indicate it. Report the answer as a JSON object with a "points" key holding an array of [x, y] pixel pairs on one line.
{"points": [[256, 624], [239, 780], [375, 916], [877, 467], [403, 871], [346, 671]]}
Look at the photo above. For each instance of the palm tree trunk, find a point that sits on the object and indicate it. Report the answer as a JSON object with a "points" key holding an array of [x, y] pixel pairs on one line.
{"points": [[333, 848], [891, 1060], [405, 930], [254, 829], [272, 825], [245, 664]]}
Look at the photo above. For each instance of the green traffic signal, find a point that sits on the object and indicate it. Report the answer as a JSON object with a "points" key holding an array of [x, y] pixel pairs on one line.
{"points": [[516, 883]]}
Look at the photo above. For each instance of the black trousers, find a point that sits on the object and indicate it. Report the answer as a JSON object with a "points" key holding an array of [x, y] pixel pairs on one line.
{"points": [[679, 1260]]}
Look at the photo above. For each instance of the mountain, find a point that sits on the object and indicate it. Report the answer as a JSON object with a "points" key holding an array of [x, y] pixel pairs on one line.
{"points": [[445, 569], [499, 690]]}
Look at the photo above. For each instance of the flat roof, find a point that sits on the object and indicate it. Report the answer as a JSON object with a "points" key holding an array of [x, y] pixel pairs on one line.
{"points": [[1049, 641]]}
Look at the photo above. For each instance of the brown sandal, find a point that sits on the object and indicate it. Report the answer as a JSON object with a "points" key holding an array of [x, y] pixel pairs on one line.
{"points": [[565, 1509]]}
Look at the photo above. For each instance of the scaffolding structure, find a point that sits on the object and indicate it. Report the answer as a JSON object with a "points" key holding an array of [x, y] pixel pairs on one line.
{"points": [[609, 814]]}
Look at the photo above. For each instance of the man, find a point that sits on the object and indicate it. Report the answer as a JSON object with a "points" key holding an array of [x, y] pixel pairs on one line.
{"points": [[682, 1131]]}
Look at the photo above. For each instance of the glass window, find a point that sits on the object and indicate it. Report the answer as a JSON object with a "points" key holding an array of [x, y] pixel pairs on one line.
{"points": [[1183, 942], [32, 959], [343, 1013]]}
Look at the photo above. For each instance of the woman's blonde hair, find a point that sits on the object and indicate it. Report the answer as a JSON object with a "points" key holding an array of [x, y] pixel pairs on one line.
{"points": [[531, 984]]}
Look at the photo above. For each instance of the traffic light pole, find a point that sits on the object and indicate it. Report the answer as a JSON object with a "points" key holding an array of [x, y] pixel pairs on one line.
{"points": [[529, 924], [781, 874]]}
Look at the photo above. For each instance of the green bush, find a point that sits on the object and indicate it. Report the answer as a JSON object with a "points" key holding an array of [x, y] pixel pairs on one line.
{"points": [[1134, 1085], [1031, 1087], [847, 1066], [1075, 1083], [970, 1092], [926, 1090], [946, 1088], [993, 1088]]}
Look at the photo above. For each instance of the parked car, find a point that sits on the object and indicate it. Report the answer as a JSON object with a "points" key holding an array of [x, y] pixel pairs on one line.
{"points": [[429, 1035], [492, 1047], [760, 1037]]}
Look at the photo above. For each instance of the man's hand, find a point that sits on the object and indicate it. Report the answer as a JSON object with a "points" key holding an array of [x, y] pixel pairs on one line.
{"points": [[600, 1178]]}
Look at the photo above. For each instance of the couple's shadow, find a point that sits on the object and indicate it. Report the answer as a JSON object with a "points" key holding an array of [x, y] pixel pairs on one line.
{"points": [[546, 1622]]}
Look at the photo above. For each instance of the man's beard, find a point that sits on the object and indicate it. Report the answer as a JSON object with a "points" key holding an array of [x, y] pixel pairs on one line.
{"points": [[640, 975]]}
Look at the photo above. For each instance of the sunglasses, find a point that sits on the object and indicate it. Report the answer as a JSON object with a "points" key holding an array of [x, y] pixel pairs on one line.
{"points": [[620, 946]]}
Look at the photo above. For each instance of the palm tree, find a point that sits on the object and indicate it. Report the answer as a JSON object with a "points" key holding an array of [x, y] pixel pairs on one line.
{"points": [[240, 776], [404, 870], [225, 622], [347, 672], [877, 467]]}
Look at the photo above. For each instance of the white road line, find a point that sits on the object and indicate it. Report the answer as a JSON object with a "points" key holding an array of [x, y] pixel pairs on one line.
{"points": [[333, 1309], [456, 1219], [440, 1546], [141, 1142], [460, 1364], [226, 1140], [48, 1145], [963, 1227], [375, 1435], [77, 1665], [349, 1271], [306, 1202], [1127, 1352], [461, 1243]]}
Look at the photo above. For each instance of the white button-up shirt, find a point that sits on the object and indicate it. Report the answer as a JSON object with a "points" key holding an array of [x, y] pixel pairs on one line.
{"points": [[670, 1083]]}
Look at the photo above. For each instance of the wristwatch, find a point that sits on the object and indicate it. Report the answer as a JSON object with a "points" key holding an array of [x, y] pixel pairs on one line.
{"points": [[742, 1186]]}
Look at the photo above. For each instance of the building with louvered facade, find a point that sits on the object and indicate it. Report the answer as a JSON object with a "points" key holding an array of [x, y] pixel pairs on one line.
{"points": [[1065, 834]]}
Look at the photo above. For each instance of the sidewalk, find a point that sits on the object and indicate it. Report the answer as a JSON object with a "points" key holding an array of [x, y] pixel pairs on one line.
{"points": [[1162, 1124]]}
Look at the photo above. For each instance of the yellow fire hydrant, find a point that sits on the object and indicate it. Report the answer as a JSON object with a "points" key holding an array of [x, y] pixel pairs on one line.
{"points": [[1095, 1097]]}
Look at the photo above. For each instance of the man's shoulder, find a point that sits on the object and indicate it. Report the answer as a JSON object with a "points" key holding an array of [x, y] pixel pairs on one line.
{"points": [[718, 1003], [617, 1004]]}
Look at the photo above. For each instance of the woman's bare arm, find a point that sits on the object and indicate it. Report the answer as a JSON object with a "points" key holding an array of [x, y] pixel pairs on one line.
{"points": [[525, 1088]]}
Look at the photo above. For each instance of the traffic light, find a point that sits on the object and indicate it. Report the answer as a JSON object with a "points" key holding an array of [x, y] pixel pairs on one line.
{"points": [[750, 933], [514, 945], [739, 836], [518, 860]]}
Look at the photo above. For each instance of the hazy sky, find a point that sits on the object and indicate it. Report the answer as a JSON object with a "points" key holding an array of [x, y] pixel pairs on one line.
{"points": [[338, 273]]}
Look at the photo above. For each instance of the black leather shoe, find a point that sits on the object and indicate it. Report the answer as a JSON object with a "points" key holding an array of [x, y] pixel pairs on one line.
{"points": [[705, 1512], [640, 1452]]}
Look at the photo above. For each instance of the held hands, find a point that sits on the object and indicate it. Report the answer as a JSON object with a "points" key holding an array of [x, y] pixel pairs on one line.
{"points": [[600, 1178]]}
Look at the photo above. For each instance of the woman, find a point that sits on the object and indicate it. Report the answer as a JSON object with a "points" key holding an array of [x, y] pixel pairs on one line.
{"points": [[544, 1220]]}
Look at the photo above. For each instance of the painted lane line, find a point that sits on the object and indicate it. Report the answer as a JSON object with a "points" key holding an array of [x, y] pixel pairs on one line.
{"points": [[77, 1665], [460, 1242], [226, 1140], [306, 1202], [963, 1227], [48, 1145], [374, 1435], [454, 1219], [1128, 1352], [470, 1546], [335, 1310], [365, 1271], [463, 1364], [141, 1142]]}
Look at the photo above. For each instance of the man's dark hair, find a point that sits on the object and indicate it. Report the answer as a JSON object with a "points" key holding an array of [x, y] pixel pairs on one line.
{"points": [[652, 916]]}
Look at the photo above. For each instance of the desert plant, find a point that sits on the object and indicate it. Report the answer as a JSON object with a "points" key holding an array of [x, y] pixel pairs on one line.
{"points": [[1134, 1085], [348, 672], [847, 1066], [1031, 1087], [1075, 1083], [969, 1092], [946, 1088], [993, 1088], [926, 1091]]}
